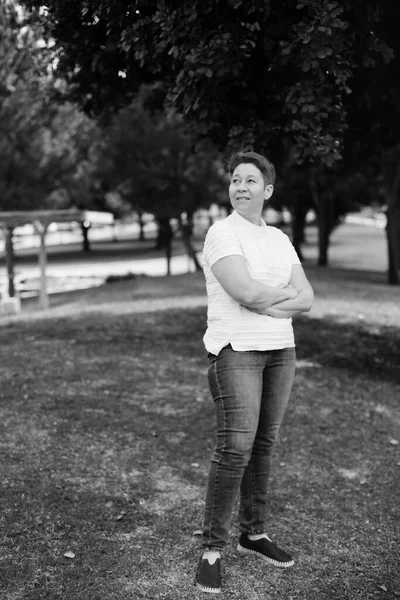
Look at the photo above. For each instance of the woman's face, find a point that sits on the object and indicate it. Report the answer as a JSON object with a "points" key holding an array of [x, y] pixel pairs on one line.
{"points": [[247, 192]]}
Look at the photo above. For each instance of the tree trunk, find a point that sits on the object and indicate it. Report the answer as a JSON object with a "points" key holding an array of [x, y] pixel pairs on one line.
{"points": [[390, 167], [85, 237], [300, 209], [168, 255], [141, 226], [297, 235], [10, 261], [188, 245], [323, 241], [164, 239], [189, 223], [393, 243], [164, 234], [323, 203]]}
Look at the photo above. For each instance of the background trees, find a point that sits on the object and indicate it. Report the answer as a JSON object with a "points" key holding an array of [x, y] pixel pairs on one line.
{"points": [[151, 161], [42, 143], [372, 142], [277, 76], [272, 75], [22, 112]]}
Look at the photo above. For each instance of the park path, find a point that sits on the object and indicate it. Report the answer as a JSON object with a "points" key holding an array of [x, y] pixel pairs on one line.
{"points": [[69, 268]]}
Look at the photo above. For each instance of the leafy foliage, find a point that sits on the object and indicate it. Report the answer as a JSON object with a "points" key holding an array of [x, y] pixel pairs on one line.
{"points": [[42, 145], [150, 160], [372, 143], [21, 110], [246, 73]]}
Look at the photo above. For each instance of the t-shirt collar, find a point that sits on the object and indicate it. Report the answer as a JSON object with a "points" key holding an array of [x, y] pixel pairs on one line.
{"points": [[242, 222]]}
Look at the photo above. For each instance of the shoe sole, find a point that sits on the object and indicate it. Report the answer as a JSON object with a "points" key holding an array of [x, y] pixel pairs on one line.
{"points": [[270, 561], [208, 590]]}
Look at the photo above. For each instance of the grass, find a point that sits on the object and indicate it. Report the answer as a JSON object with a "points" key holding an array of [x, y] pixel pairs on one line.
{"points": [[107, 431]]}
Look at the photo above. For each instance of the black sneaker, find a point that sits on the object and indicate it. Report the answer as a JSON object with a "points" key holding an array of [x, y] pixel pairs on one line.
{"points": [[266, 550], [208, 576]]}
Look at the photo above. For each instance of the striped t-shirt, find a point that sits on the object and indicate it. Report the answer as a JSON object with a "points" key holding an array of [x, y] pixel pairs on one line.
{"points": [[269, 256]]}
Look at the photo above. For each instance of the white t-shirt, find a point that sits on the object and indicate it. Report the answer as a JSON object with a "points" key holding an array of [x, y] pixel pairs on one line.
{"points": [[269, 257]]}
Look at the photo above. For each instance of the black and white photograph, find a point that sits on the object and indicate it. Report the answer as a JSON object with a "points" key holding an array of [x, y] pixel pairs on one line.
{"points": [[199, 299]]}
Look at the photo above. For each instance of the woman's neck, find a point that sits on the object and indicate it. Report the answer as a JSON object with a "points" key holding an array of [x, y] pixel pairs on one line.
{"points": [[252, 220]]}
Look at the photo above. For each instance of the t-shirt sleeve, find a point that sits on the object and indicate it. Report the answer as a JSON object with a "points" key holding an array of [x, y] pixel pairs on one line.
{"points": [[287, 248], [221, 241]]}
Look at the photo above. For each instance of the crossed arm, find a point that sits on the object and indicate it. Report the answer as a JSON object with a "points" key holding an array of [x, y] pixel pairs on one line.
{"points": [[281, 303]]}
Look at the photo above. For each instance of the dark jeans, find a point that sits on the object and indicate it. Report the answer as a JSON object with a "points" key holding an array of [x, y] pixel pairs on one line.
{"points": [[250, 391]]}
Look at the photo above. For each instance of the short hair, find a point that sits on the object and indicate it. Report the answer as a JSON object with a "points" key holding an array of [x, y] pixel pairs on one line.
{"points": [[258, 160]]}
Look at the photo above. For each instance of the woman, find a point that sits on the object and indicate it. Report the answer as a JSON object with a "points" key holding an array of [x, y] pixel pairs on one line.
{"points": [[255, 284]]}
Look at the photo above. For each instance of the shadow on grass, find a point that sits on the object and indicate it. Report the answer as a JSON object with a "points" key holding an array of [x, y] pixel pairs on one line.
{"points": [[350, 346], [327, 341], [343, 274]]}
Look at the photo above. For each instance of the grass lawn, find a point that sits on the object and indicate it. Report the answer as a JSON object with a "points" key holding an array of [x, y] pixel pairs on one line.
{"points": [[107, 431]]}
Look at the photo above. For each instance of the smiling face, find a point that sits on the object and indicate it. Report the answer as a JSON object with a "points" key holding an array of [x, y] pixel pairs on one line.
{"points": [[248, 192]]}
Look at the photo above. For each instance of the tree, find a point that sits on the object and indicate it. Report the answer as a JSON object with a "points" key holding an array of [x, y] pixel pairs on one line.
{"points": [[42, 144], [150, 160], [21, 110], [372, 143], [257, 73]]}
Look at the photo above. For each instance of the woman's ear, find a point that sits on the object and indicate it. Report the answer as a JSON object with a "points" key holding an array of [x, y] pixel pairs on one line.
{"points": [[269, 190]]}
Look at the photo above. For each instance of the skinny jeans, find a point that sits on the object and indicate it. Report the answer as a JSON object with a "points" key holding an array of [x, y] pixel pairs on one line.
{"points": [[250, 392]]}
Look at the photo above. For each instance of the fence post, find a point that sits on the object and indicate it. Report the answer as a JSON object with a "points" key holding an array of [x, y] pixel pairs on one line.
{"points": [[41, 229]]}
